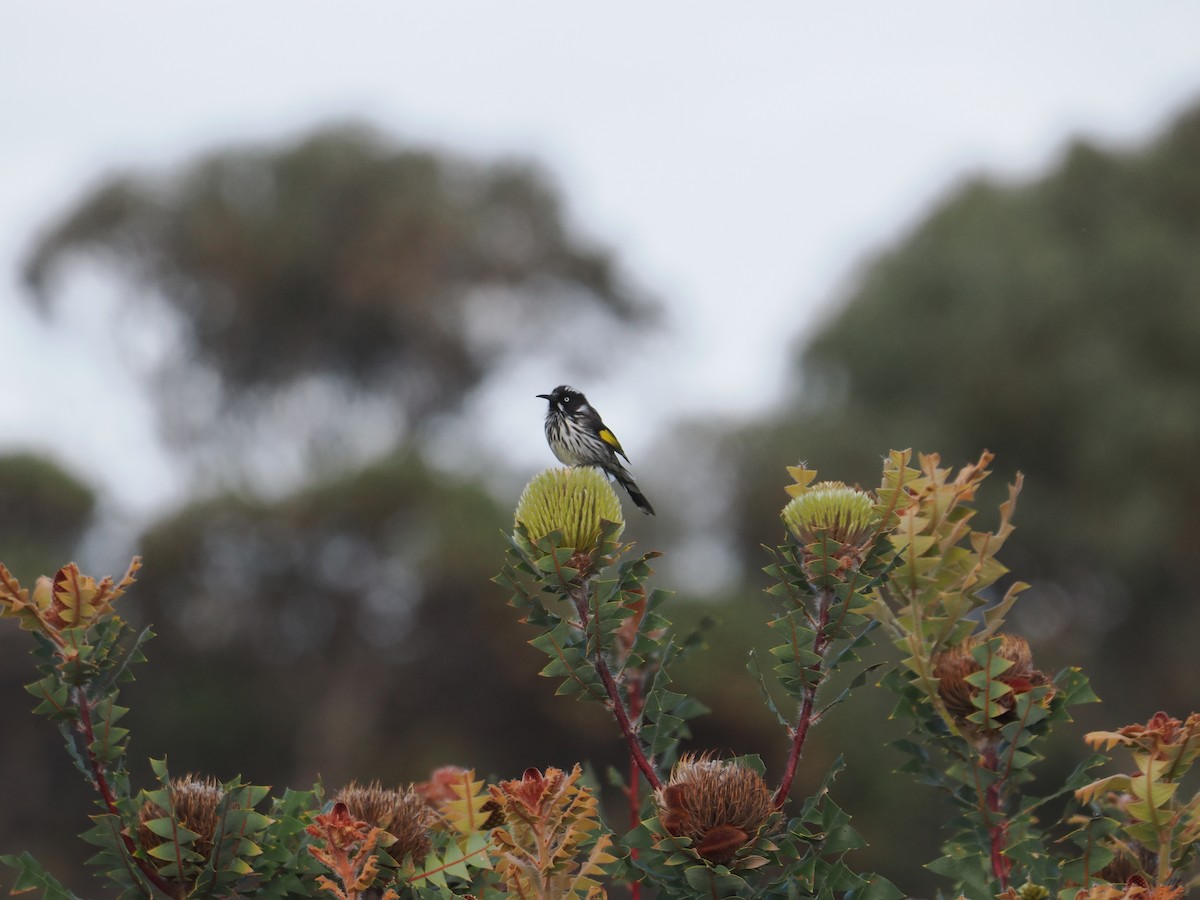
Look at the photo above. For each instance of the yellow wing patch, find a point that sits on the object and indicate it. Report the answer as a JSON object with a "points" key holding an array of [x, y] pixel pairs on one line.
{"points": [[611, 439]]}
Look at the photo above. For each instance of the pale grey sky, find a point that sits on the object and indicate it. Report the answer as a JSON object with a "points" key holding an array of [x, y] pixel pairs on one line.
{"points": [[739, 158]]}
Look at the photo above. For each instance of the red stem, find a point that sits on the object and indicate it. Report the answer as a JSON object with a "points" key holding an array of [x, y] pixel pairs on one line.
{"points": [[621, 714], [634, 693], [106, 792], [996, 822], [804, 718], [581, 594]]}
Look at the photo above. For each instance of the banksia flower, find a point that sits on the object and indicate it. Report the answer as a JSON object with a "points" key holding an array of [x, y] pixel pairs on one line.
{"points": [[953, 666], [721, 805], [405, 815], [194, 805], [842, 513], [574, 502]]}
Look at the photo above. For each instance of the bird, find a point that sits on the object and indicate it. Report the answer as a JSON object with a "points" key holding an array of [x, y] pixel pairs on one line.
{"points": [[578, 437]]}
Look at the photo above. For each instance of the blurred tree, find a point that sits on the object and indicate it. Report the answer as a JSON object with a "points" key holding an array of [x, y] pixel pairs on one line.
{"points": [[307, 280], [1057, 323], [44, 511]]}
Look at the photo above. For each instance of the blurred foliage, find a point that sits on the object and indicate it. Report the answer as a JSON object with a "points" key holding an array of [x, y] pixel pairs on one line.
{"points": [[44, 511], [395, 272]]}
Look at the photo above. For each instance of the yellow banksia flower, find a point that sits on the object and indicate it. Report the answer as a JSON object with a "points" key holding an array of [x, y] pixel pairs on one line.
{"points": [[574, 502], [720, 804], [842, 513]]}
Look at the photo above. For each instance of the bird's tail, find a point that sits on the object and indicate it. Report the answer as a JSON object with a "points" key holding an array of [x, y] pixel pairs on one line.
{"points": [[626, 481]]}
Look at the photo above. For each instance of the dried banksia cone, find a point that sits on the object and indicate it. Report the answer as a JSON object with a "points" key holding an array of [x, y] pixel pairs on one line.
{"points": [[574, 502], [952, 666], [404, 815], [721, 805], [842, 513], [194, 802]]}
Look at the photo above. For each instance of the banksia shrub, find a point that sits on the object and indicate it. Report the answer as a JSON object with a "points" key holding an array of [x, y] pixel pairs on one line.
{"points": [[906, 560]]}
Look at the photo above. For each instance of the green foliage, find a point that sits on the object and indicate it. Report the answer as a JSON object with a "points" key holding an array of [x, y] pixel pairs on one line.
{"points": [[981, 711], [906, 558], [603, 632], [32, 877], [46, 511]]}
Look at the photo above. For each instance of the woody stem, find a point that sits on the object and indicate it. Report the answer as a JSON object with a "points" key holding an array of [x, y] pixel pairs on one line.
{"points": [[804, 718], [996, 822], [100, 779], [581, 596]]}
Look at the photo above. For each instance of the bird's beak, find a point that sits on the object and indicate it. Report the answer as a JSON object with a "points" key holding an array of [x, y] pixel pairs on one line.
{"points": [[544, 396]]}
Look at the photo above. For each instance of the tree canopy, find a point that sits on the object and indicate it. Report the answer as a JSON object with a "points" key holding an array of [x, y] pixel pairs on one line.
{"points": [[396, 272]]}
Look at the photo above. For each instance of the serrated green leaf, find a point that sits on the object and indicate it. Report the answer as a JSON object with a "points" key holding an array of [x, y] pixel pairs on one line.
{"points": [[768, 701], [31, 876], [170, 829], [875, 887]]}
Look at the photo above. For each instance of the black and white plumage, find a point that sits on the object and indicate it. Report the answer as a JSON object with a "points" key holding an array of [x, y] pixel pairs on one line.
{"points": [[578, 437]]}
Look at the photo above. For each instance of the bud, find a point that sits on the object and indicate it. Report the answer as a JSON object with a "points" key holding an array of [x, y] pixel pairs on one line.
{"points": [[405, 815], [1031, 891], [721, 805], [842, 513], [574, 502]]}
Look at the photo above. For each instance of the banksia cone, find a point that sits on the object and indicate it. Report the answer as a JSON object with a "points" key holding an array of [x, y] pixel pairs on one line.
{"points": [[721, 805], [952, 666], [574, 502], [405, 815], [842, 513], [194, 802]]}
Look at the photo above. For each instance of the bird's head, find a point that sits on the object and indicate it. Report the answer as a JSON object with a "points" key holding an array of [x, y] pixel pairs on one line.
{"points": [[565, 399]]}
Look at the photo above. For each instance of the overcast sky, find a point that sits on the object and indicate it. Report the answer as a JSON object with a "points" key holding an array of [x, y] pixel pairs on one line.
{"points": [[740, 158]]}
